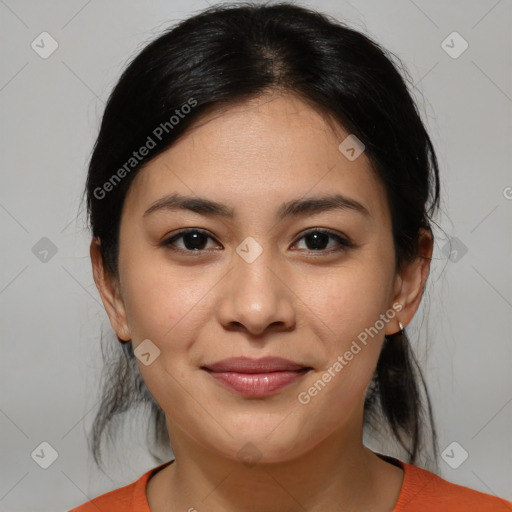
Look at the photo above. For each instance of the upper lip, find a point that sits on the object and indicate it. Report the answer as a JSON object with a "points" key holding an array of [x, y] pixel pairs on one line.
{"points": [[249, 365]]}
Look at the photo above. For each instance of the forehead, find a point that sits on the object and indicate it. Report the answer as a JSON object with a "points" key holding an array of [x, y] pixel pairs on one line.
{"points": [[256, 155]]}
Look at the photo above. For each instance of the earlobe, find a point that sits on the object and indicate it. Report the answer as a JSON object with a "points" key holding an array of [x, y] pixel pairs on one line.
{"points": [[412, 279], [108, 288], [123, 338]]}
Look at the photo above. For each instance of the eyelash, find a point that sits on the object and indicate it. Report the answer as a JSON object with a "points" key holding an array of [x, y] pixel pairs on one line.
{"points": [[345, 243]]}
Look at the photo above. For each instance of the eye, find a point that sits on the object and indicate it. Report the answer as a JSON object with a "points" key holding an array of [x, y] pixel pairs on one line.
{"points": [[194, 240], [317, 239]]}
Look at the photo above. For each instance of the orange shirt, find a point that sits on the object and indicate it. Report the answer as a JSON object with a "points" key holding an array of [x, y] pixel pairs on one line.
{"points": [[422, 491]]}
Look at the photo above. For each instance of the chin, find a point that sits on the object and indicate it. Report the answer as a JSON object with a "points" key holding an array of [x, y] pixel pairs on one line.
{"points": [[262, 444]]}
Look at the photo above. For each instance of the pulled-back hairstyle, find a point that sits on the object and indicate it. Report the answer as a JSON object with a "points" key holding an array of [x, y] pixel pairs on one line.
{"points": [[231, 53]]}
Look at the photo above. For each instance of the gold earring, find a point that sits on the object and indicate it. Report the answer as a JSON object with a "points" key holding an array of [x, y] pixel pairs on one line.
{"points": [[400, 332]]}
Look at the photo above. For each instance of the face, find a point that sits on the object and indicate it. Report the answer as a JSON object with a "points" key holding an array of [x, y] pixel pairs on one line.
{"points": [[259, 278]]}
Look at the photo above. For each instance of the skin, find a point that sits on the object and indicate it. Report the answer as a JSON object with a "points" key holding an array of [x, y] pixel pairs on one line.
{"points": [[291, 302]]}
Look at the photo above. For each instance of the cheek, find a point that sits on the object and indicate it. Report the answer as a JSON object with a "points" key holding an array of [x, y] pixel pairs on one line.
{"points": [[160, 299], [351, 299], [354, 305], [351, 307], [165, 305]]}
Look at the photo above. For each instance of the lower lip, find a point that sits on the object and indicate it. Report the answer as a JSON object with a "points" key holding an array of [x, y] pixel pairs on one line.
{"points": [[257, 384]]}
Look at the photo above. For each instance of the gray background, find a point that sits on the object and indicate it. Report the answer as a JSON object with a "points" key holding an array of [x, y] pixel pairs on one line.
{"points": [[51, 315]]}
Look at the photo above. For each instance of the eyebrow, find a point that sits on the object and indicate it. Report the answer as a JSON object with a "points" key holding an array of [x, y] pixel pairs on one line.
{"points": [[294, 208]]}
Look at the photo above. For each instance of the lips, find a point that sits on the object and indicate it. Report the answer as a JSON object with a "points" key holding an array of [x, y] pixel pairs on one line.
{"points": [[256, 377], [262, 365]]}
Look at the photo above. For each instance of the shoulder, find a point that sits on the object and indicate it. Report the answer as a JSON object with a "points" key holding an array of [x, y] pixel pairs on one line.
{"points": [[116, 500], [130, 498], [424, 491]]}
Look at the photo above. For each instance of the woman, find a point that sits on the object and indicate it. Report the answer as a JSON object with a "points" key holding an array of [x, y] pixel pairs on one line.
{"points": [[261, 195]]}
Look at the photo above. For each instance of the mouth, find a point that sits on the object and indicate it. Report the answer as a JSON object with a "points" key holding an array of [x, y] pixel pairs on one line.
{"points": [[256, 377]]}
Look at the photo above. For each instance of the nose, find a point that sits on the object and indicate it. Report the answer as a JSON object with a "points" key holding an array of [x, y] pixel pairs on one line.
{"points": [[257, 297]]}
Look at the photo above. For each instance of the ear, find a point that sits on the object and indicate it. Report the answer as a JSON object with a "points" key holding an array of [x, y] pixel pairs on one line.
{"points": [[109, 290], [410, 283]]}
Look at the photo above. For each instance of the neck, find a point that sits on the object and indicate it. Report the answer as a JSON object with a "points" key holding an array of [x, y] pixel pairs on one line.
{"points": [[338, 474]]}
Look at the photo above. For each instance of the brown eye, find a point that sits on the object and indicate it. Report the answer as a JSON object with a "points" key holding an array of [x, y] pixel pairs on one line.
{"points": [[194, 240], [317, 240]]}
